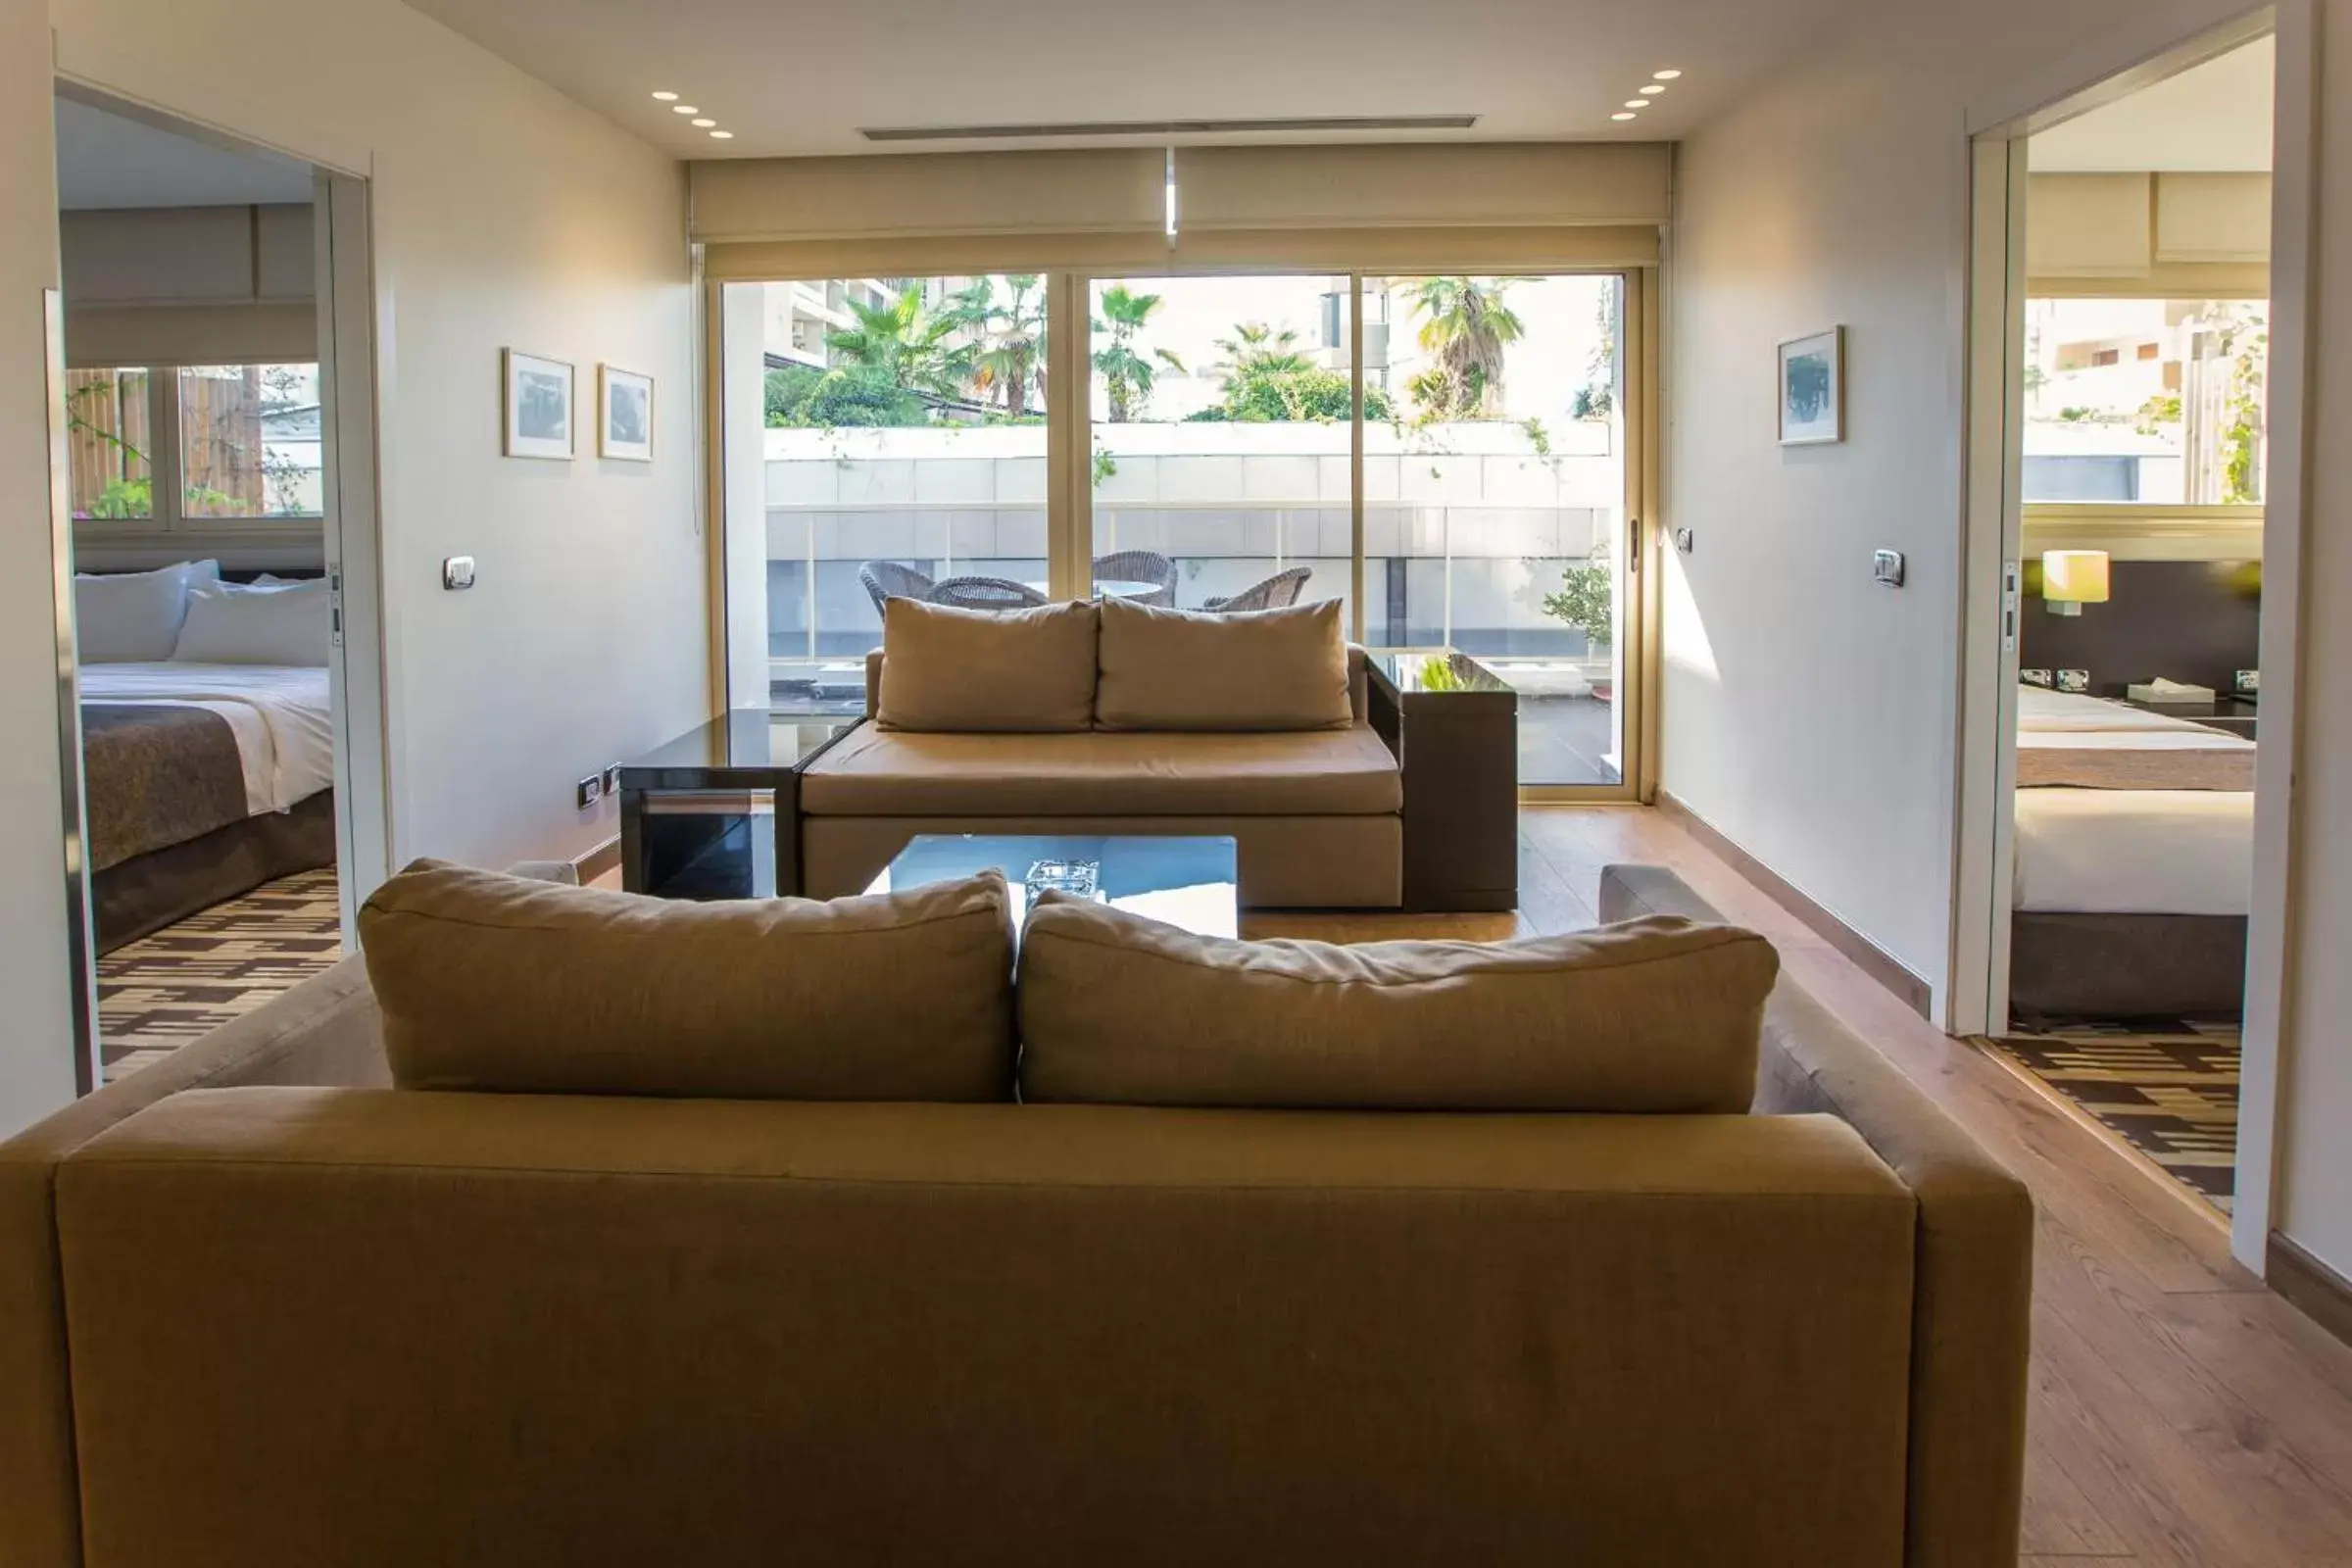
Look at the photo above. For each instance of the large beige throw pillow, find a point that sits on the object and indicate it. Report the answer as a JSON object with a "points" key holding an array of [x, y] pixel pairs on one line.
{"points": [[1028, 670], [495, 982], [1256, 669], [1658, 1015]]}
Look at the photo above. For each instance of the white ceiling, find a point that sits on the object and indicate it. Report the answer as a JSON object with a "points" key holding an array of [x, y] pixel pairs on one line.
{"points": [[103, 160], [2214, 119], [790, 76]]}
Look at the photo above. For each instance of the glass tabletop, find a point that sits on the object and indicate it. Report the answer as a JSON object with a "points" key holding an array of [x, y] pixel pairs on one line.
{"points": [[1186, 882], [748, 740], [1110, 588]]}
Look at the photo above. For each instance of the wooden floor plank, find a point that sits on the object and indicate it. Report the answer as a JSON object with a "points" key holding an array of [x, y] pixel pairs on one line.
{"points": [[2181, 1415]]}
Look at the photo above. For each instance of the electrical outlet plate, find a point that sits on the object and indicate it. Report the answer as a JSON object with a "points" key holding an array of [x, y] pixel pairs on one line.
{"points": [[1886, 567], [1682, 540], [613, 778], [2037, 677], [2248, 680], [457, 572], [2074, 680], [591, 789]]}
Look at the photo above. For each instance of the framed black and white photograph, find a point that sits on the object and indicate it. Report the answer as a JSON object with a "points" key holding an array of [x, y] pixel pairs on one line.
{"points": [[624, 425], [539, 397], [1813, 389]]}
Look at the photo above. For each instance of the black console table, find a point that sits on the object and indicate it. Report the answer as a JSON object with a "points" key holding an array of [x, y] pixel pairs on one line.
{"points": [[1454, 725], [715, 813]]}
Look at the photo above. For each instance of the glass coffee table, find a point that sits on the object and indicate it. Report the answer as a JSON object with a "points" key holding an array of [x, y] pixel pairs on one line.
{"points": [[1183, 881]]}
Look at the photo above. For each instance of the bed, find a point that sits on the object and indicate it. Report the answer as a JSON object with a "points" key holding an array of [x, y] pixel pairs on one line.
{"points": [[2134, 862], [202, 782]]}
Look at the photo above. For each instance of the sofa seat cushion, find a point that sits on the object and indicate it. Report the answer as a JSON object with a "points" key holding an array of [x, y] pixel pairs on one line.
{"points": [[876, 772], [1660, 1015]]}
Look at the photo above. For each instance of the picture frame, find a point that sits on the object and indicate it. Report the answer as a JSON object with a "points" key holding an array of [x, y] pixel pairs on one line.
{"points": [[538, 403], [624, 414], [1812, 389]]}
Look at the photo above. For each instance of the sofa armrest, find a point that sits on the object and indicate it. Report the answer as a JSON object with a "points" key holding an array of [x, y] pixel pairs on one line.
{"points": [[1972, 1318]]}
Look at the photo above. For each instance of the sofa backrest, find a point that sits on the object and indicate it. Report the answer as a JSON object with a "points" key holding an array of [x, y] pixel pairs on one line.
{"points": [[1358, 683], [525, 1329]]}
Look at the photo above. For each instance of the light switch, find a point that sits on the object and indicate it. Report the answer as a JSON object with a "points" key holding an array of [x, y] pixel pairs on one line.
{"points": [[457, 572], [1886, 566]]}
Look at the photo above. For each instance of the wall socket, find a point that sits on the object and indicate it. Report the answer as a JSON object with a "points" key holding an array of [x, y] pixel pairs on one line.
{"points": [[1683, 540], [591, 789], [612, 779]]}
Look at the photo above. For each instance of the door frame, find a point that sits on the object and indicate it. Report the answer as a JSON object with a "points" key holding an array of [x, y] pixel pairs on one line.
{"points": [[355, 377], [1994, 524]]}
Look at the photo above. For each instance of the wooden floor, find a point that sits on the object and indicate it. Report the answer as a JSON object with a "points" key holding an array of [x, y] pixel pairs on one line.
{"points": [[2182, 1413]]}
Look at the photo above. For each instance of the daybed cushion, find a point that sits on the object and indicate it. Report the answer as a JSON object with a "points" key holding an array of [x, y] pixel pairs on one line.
{"points": [[1656, 1015], [1257, 669], [951, 669], [876, 772], [494, 982]]}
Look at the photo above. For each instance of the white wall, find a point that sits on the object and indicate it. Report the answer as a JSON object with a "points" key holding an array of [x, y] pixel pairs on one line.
{"points": [[505, 215], [36, 1058], [2314, 1200], [1810, 715]]}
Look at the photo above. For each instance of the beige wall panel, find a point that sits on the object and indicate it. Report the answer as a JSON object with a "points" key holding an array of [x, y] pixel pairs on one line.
{"points": [[2087, 225], [100, 335], [930, 193], [285, 254], [1424, 185], [159, 256], [2213, 219]]}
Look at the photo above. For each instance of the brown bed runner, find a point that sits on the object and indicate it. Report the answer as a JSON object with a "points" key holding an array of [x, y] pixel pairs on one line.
{"points": [[156, 777], [2121, 768]]}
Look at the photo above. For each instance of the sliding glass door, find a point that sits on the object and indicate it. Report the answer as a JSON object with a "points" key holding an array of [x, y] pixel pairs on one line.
{"points": [[1450, 457]]}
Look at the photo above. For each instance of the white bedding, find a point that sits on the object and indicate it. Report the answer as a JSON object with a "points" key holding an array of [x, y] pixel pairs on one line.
{"points": [[2128, 851], [280, 715]]}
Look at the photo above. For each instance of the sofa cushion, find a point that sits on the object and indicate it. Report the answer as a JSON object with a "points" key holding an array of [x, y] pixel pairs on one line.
{"points": [[945, 668], [1257, 669], [1652, 1015], [876, 772], [492, 982]]}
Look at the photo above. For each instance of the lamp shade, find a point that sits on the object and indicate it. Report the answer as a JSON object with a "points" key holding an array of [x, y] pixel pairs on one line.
{"points": [[2075, 576]]}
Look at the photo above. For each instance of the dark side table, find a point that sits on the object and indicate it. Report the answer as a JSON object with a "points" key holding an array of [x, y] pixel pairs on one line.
{"points": [[715, 813], [1454, 725]]}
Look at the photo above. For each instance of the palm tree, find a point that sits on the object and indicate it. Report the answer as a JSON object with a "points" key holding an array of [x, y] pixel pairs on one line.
{"points": [[1126, 374], [1009, 339], [1255, 346], [1467, 329], [903, 346]]}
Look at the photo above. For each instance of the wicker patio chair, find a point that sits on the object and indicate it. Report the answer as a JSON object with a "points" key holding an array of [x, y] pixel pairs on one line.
{"points": [[1276, 593], [986, 593], [887, 579], [1140, 565]]}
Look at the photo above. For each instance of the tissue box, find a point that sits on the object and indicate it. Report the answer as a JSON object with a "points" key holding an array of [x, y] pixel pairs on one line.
{"points": [[2169, 691]]}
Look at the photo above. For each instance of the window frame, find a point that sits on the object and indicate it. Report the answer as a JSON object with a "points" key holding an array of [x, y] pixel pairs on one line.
{"points": [[1069, 520], [169, 518]]}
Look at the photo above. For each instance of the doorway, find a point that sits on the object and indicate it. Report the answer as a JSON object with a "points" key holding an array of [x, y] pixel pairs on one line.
{"points": [[2124, 439], [212, 361]]}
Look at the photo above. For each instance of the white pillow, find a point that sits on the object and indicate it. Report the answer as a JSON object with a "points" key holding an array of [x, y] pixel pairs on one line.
{"points": [[133, 618], [230, 623]]}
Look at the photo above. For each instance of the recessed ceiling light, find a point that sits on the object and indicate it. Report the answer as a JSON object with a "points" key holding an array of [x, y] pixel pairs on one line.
{"points": [[1637, 102], [665, 97], [722, 135], [704, 125], [1664, 75], [1625, 114], [684, 109], [1653, 90]]}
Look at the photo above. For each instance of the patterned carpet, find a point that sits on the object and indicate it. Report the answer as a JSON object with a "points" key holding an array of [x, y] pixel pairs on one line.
{"points": [[158, 994], [2168, 1088]]}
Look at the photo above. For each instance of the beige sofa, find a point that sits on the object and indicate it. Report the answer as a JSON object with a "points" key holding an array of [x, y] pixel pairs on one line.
{"points": [[1317, 816], [271, 1326]]}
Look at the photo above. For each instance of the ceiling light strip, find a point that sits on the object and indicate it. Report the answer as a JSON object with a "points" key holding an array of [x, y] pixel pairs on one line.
{"points": [[1169, 127]]}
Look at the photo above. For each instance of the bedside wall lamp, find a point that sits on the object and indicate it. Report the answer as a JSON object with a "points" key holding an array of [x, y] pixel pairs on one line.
{"points": [[2072, 578]]}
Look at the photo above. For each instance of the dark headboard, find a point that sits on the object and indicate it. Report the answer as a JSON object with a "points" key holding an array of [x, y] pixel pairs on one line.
{"points": [[2198, 621]]}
